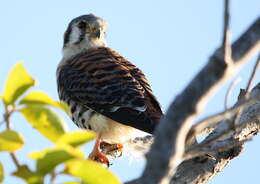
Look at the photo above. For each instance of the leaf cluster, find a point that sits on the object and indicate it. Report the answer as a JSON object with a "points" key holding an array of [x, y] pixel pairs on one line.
{"points": [[38, 109]]}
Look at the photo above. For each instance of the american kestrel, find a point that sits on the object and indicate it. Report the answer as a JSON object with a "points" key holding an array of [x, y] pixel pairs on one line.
{"points": [[105, 92]]}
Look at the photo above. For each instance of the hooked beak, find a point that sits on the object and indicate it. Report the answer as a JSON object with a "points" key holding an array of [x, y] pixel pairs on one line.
{"points": [[96, 34]]}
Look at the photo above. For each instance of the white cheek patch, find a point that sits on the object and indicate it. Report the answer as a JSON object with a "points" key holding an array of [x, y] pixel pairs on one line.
{"points": [[74, 35]]}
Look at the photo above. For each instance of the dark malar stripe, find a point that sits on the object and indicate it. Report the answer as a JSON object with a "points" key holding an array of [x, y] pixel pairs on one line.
{"points": [[73, 109]]}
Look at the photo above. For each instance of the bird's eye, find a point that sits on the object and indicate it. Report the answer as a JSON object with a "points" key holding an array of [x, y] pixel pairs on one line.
{"points": [[82, 25]]}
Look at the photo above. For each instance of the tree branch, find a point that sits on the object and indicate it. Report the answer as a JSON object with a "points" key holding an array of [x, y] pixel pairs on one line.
{"points": [[189, 104], [252, 76], [247, 90], [211, 121], [226, 34], [200, 169], [163, 159], [229, 91], [6, 116]]}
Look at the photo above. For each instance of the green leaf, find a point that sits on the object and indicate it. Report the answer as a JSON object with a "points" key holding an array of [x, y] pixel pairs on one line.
{"points": [[10, 141], [48, 159], [26, 174], [76, 138], [41, 98], [91, 172], [47, 122], [1, 172], [17, 83]]}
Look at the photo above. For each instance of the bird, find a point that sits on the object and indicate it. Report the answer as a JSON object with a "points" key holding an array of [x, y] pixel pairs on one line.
{"points": [[105, 92]]}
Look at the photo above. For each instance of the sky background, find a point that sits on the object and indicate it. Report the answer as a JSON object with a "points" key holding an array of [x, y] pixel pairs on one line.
{"points": [[169, 40]]}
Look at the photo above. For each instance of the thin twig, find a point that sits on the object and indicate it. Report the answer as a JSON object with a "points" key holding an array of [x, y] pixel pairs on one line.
{"points": [[55, 174], [248, 87], [226, 23], [227, 51], [15, 160], [230, 90], [252, 76], [211, 121], [218, 136], [226, 34], [6, 116], [53, 177]]}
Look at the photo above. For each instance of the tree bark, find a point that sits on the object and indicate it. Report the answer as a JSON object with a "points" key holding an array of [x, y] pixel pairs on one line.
{"points": [[168, 149]]}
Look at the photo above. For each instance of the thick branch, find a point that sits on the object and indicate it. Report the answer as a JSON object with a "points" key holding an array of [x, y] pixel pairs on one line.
{"points": [[202, 168], [199, 170], [163, 159]]}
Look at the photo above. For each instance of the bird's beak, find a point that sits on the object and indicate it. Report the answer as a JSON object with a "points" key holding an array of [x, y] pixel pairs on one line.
{"points": [[96, 34]]}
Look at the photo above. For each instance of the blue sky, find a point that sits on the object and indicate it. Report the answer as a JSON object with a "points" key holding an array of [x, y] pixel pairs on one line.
{"points": [[169, 40]]}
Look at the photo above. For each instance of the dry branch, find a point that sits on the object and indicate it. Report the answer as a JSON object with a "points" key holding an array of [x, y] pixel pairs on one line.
{"points": [[200, 169], [163, 159], [211, 121]]}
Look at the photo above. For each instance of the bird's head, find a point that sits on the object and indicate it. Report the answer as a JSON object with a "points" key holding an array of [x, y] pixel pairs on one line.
{"points": [[84, 33]]}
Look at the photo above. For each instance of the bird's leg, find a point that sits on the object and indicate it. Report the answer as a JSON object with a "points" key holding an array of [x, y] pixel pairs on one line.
{"points": [[112, 147], [97, 155], [113, 150]]}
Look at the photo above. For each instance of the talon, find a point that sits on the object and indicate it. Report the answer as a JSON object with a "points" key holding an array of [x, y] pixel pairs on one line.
{"points": [[97, 155]]}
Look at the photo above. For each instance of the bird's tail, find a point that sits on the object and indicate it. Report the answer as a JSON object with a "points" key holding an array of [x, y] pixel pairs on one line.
{"points": [[138, 146]]}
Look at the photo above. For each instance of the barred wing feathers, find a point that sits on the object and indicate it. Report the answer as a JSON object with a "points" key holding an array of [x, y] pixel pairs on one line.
{"points": [[106, 82]]}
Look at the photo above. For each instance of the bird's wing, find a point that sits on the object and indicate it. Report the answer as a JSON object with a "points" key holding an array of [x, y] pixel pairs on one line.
{"points": [[106, 82]]}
